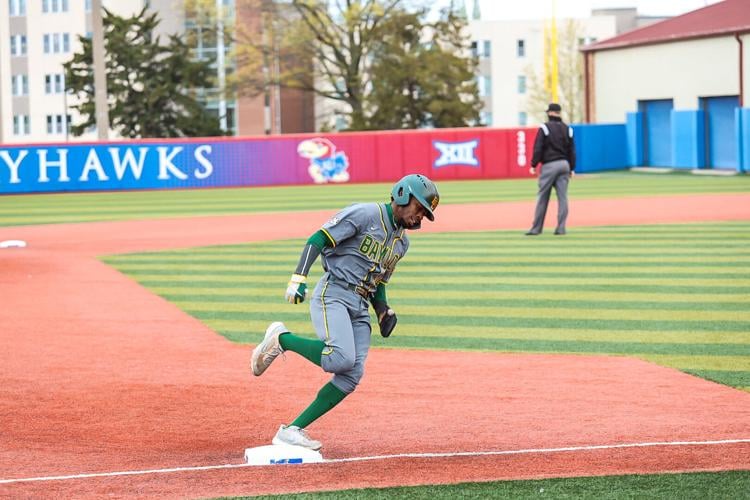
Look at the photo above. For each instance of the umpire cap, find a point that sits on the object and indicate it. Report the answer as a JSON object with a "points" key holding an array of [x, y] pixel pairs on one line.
{"points": [[553, 106]]}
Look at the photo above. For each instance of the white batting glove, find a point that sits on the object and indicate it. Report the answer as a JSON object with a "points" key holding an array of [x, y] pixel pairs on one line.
{"points": [[296, 290]]}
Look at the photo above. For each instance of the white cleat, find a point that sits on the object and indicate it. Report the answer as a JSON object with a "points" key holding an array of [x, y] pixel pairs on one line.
{"points": [[265, 352], [295, 436]]}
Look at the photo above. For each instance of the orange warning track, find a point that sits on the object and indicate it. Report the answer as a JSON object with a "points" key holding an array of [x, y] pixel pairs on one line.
{"points": [[100, 375]]}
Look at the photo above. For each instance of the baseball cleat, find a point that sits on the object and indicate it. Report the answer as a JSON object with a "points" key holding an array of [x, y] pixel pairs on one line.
{"points": [[295, 436], [265, 352]]}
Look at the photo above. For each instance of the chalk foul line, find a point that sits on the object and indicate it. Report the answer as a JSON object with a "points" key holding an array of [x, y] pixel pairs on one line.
{"points": [[384, 457]]}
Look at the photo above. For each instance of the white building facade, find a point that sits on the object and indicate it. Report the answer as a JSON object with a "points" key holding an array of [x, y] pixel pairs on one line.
{"points": [[508, 51], [36, 38]]}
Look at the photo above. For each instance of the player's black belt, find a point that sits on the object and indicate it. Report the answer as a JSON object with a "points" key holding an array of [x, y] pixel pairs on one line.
{"points": [[359, 290]]}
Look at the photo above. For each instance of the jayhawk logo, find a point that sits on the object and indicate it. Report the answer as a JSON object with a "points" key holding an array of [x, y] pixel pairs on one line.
{"points": [[326, 164]]}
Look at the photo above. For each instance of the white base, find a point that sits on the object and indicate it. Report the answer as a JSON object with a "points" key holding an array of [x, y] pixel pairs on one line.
{"points": [[281, 454], [12, 244]]}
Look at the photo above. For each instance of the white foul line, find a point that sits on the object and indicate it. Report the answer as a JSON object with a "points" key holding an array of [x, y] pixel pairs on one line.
{"points": [[384, 457]]}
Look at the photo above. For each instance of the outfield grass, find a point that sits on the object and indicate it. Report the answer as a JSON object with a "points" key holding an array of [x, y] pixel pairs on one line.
{"points": [[84, 207], [676, 295], [733, 485]]}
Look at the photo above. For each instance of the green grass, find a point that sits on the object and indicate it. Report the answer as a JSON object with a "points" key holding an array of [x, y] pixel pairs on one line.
{"points": [[677, 295], [86, 207], [733, 485]]}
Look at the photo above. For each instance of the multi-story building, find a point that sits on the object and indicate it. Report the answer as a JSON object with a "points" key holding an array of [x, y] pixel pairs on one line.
{"points": [[510, 51], [38, 36]]}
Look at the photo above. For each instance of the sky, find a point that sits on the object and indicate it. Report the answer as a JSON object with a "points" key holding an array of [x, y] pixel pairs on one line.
{"points": [[540, 9]]}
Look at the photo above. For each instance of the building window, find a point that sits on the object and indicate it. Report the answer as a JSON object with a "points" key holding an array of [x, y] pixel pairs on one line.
{"points": [[521, 84], [18, 45], [54, 83], [523, 119], [57, 124], [485, 85], [20, 85], [88, 5], [486, 118], [17, 7], [21, 125], [481, 49], [56, 43], [520, 48], [52, 6]]}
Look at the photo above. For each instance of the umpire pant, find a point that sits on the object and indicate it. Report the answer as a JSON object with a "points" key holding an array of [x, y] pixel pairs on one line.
{"points": [[553, 174]]}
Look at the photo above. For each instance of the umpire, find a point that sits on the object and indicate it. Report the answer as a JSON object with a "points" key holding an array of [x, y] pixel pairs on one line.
{"points": [[554, 149]]}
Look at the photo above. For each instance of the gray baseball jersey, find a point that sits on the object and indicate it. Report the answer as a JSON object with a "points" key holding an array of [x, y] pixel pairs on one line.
{"points": [[367, 247]]}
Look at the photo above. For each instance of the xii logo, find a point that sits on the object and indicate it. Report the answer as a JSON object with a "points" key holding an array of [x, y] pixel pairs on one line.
{"points": [[456, 153]]}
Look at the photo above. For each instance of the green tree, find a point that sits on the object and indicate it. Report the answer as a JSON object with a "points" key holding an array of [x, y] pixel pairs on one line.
{"points": [[423, 75], [374, 56], [152, 88]]}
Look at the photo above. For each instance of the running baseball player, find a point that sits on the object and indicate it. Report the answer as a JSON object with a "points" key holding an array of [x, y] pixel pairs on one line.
{"points": [[361, 246]]}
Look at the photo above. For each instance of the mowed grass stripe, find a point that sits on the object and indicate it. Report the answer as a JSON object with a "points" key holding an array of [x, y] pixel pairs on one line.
{"points": [[301, 325], [80, 207], [500, 311], [271, 296], [678, 309], [242, 282], [556, 322]]}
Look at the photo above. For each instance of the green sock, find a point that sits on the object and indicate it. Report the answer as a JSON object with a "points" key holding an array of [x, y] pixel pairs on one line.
{"points": [[310, 349], [328, 397]]}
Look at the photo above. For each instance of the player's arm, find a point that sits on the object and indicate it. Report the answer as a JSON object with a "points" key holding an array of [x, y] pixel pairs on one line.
{"points": [[386, 316], [296, 290]]}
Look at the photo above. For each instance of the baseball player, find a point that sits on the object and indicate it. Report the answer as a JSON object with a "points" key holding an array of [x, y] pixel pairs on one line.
{"points": [[361, 246]]}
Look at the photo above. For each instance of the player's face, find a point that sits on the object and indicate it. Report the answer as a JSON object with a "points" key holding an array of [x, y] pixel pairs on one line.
{"points": [[410, 216]]}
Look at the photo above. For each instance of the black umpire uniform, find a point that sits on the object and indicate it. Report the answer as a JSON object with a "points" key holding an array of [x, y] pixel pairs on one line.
{"points": [[555, 150]]}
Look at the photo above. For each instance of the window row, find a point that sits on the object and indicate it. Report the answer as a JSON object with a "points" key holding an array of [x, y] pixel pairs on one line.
{"points": [[56, 43], [56, 124], [54, 6], [483, 48], [54, 83], [18, 7], [53, 43]]}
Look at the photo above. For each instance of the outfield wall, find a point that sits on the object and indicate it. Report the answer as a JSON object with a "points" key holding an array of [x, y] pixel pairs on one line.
{"points": [[468, 153]]}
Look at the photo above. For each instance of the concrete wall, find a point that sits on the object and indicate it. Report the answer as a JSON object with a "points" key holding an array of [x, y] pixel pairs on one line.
{"points": [[683, 71]]}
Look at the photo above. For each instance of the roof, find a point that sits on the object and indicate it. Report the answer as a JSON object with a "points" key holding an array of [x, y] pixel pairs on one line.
{"points": [[723, 18]]}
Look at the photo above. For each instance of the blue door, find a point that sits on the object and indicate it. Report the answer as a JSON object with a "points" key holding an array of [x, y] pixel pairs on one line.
{"points": [[721, 140], [657, 124]]}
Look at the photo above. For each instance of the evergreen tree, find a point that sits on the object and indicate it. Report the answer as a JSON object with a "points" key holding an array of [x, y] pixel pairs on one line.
{"points": [[152, 88]]}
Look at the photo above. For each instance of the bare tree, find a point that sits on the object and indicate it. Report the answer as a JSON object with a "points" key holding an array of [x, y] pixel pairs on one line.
{"points": [[570, 77]]}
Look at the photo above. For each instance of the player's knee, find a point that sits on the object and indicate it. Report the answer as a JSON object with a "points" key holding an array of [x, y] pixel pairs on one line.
{"points": [[349, 381], [338, 362]]}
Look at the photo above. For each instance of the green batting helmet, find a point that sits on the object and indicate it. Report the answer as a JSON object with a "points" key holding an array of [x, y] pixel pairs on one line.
{"points": [[420, 187]]}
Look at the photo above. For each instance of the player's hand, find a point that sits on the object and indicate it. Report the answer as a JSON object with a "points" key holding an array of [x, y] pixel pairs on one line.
{"points": [[386, 318], [296, 290], [532, 170], [572, 173]]}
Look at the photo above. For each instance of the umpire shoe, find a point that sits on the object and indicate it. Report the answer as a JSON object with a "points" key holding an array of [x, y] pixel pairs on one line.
{"points": [[265, 352], [295, 436]]}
